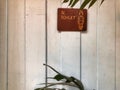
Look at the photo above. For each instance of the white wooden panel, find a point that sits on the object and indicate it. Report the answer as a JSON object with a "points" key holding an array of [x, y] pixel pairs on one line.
{"points": [[71, 55], [35, 43], [16, 63], [117, 44], [64, 47], [3, 44], [106, 46], [53, 36], [89, 49]]}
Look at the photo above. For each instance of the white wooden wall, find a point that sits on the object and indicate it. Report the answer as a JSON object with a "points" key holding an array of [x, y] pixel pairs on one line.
{"points": [[92, 56], [3, 45]]}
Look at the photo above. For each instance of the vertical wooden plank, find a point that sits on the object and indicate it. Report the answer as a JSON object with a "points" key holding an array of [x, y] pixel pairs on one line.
{"points": [[71, 53], [117, 45], [35, 43], [89, 51], [3, 44], [106, 46], [16, 62], [64, 47], [53, 37]]}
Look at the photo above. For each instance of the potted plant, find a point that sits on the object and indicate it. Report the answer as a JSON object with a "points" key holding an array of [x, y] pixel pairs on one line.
{"points": [[65, 80]]}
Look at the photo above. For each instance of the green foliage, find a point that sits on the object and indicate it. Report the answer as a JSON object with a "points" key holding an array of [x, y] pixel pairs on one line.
{"points": [[90, 3], [72, 3], [58, 77], [65, 1], [66, 80], [102, 2], [84, 4]]}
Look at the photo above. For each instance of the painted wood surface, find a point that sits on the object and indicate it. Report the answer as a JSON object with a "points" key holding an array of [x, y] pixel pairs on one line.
{"points": [[3, 45], [89, 51], [54, 39], [62, 45], [117, 45], [106, 46], [16, 43], [35, 43], [92, 56]]}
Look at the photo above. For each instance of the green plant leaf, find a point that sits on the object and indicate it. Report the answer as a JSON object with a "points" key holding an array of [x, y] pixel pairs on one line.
{"points": [[37, 89], [65, 1], [102, 2], [84, 4], [92, 3], [71, 1], [74, 3], [78, 83], [51, 68], [69, 80], [59, 77]]}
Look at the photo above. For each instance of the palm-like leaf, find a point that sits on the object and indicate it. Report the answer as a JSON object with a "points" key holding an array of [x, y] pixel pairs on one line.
{"points": [[102, 2], [72, 3], [84, 4], [65, 1], [92, 3]]}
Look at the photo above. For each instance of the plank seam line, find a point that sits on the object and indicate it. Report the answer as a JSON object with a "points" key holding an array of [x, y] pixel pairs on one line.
{"points": [[115, 43], [25, 45], [7, 42], [46, 42]]}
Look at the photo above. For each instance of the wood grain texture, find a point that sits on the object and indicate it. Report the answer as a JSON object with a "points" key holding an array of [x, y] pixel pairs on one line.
{"points": [[89, 51], [117, 44], [35, 43], [3, 45], [16, 61], [106, 46]]}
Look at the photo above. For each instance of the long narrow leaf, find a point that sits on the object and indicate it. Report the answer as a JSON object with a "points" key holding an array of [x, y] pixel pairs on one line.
{"points": [[54, 84], [78, 83], [65, 1], [71, 1], [92, 3], [51, 68], [84, 4], [102, 2], [74, 3]]}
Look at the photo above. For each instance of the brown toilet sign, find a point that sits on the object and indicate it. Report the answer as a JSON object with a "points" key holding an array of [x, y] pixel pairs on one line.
{"points": [[72, 19]]}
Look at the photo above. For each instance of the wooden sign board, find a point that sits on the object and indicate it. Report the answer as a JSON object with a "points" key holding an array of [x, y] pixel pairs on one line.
{"points": [[72, 19]]}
